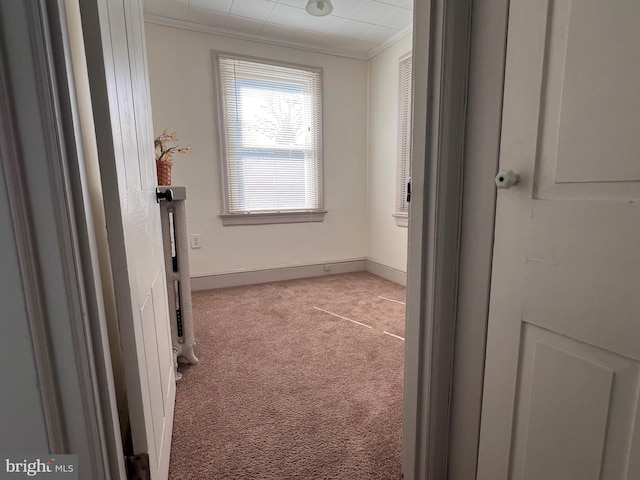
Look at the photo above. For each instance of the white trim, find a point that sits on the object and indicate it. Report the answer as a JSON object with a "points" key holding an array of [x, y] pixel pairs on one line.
{"points": [[59, 237], [293, 272], [441, 54], [408, 30], [390, 273], [93, 330], [26, 250], [196, 27], [316, 214], [278, 274], [413, 452], [266, 218], [402, 219], [482, 147]]}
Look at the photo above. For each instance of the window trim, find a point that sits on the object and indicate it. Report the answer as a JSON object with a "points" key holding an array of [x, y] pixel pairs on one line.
{"points": [[402, 218], [268, 217]]}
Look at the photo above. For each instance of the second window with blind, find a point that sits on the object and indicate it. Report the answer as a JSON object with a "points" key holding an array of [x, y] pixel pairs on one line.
{"points": [[404, 143], [270, 130]]}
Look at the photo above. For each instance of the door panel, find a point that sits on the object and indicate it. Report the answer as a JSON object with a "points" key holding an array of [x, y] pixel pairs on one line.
{"points": [[562, 371], [559, 381], [596, 87], [576, 409], [123, 128], [589, 110], [161, 385], [163, 338], [575, 269], [154, 385]]}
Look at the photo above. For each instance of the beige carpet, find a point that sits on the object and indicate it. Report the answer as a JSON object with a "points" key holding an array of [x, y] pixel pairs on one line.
{"points": [[287, 389]]}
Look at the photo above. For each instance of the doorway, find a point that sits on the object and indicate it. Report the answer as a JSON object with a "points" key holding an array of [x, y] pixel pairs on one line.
{"points": [[421, 297]]}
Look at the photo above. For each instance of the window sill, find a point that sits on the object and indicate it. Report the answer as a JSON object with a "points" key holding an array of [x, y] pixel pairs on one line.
{"points": [[402, 219], [230, 219]]}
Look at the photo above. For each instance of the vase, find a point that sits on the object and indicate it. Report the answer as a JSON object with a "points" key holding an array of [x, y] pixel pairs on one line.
{"points": [[163, 170]]}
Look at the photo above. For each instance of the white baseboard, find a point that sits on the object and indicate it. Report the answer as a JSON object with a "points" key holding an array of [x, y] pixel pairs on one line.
{"points": [[234, 279], [390, 273], [252, 277]]}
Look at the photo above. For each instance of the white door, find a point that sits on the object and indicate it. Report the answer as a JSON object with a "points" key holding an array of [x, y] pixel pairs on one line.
{"points": [[122, 111], [562, 375]]}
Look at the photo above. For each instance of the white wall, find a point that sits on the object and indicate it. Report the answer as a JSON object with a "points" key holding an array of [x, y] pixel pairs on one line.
{"points": [[387, 243], [182, 93]]}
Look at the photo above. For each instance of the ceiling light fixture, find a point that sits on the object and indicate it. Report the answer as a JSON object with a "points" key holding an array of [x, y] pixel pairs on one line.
{"points": [[319, 8]]}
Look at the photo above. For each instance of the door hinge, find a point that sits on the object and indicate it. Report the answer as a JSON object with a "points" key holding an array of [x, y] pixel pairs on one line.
{"points": [[409, 191], [138, 467]]}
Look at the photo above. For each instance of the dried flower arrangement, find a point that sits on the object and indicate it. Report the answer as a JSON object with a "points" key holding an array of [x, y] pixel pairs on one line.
{"points": [[164, 152], [166, 146]]}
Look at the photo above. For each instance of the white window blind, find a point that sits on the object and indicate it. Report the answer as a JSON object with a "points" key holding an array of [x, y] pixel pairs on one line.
{"points": [[404, 142], [270, 120]]}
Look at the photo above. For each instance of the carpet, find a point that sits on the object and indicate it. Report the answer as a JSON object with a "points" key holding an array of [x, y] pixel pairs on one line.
{"points": [[289, 386]]}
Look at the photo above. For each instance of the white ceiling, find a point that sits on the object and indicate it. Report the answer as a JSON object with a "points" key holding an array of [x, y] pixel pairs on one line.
{"points": [[355, 28]]}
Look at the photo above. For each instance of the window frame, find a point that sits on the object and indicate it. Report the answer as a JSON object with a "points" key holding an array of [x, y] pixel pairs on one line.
{"points": [[273, 216], [401, 216]]}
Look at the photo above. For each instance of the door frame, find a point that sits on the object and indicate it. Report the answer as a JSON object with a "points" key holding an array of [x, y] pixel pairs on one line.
{"points": [[440, 52], [458, 87], [438, 238], [482, 152], [42, 167]]}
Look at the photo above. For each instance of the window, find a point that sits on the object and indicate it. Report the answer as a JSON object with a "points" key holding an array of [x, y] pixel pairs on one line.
{"points": [[404, 143], [270, 133]]}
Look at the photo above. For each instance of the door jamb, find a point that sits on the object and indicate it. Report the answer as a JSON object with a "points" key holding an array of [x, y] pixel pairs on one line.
{"points": [[456, 128], [441, 54], [482, 151], [54, 226]]}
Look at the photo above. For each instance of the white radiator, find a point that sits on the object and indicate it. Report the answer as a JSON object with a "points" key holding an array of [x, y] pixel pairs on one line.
{"points": [[176, 259]]}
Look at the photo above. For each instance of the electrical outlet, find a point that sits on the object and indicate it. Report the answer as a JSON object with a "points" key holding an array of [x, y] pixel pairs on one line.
{"points": [[327, 268], [196, 242]]}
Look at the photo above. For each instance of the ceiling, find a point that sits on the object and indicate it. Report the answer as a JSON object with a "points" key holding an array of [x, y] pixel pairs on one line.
{"points": [[355, 28]]}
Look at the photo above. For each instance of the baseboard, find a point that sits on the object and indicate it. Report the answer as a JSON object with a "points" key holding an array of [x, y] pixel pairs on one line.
{"points": [[390, 273], [234, 279]]}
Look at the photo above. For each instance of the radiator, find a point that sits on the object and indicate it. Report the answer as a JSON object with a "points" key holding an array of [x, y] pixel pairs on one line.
{"points": [[176, 258]]}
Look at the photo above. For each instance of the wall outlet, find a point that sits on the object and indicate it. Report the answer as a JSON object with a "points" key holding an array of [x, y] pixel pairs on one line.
{"points": [[196, 242], [327, 268]]}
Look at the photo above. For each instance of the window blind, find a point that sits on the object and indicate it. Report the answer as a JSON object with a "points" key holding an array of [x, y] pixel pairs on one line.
{"points": [[270, 119], [404, 137]]}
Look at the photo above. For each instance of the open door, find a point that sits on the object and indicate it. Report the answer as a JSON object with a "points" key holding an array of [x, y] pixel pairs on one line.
{"points": [[563, 354], [116, 60]]}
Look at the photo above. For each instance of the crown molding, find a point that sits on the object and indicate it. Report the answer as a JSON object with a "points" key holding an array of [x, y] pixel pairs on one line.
{"points": [[390, 41], [196, 27]]}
